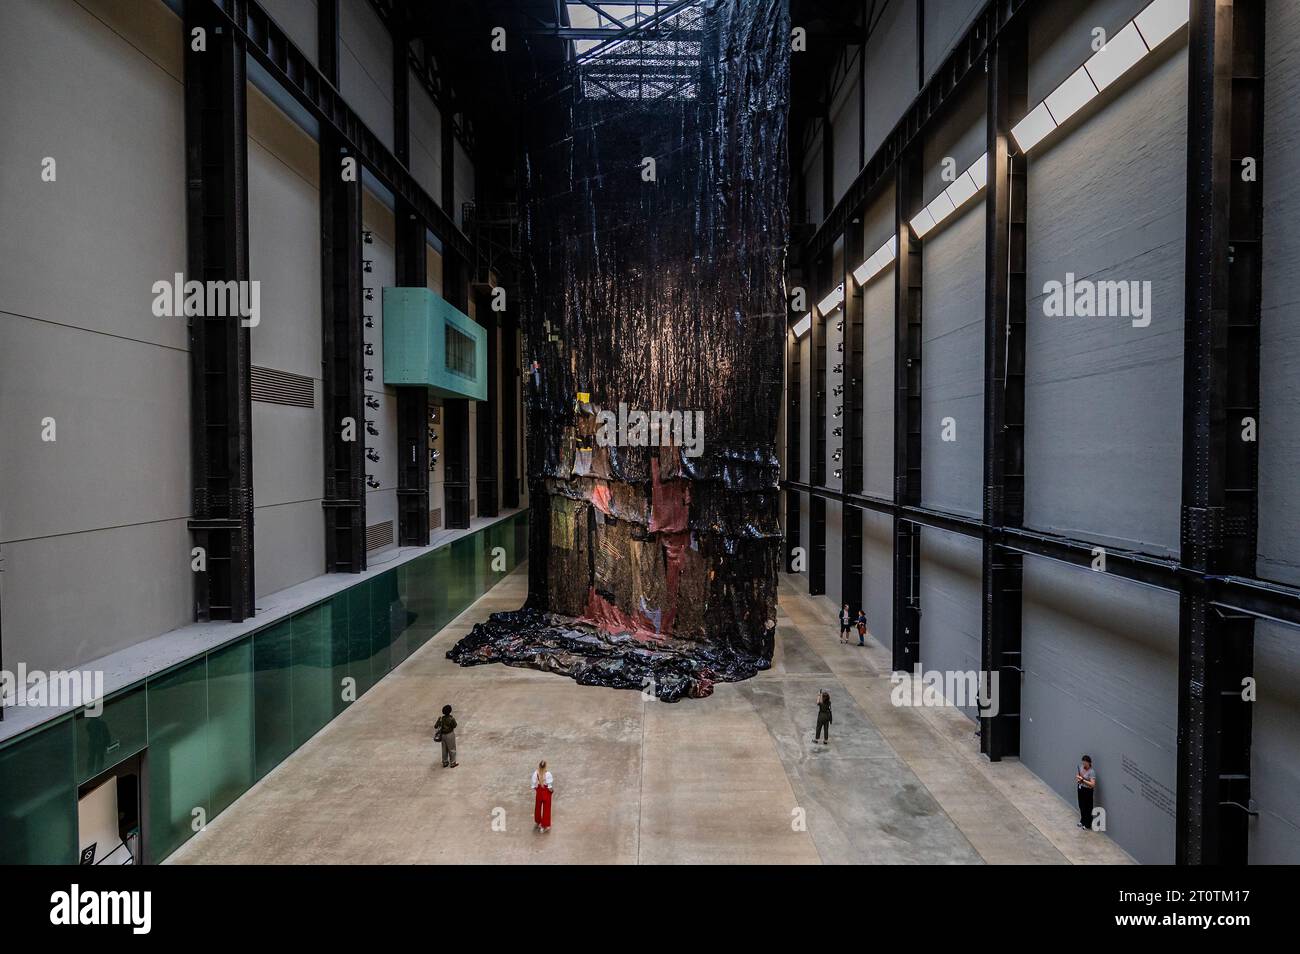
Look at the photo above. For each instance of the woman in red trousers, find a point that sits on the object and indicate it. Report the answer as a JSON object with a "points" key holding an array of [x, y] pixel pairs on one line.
{"points": [[544, 786]]}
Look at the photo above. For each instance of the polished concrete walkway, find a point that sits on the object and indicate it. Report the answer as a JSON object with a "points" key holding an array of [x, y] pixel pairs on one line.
{"points": [[733, 778]]}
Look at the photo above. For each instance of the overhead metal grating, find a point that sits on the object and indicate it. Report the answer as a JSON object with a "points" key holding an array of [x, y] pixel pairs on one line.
{"points": [[648, 50]]}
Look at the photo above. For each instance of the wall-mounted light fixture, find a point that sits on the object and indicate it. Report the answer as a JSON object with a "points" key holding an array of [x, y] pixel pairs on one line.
{"points": [[802, 325], [876, 263], [966, 186], [831, 301], [1157, 23]]}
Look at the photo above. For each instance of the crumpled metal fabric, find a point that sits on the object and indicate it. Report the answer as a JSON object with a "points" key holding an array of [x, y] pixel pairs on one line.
{"points": [[672, 670], [656, 294]]}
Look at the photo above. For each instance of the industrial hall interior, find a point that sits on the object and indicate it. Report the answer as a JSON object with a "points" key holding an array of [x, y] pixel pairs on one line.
{"points": [[692, 432]]}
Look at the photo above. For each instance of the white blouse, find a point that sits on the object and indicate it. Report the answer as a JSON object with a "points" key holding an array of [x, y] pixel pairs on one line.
{"points": [[549, 781]]}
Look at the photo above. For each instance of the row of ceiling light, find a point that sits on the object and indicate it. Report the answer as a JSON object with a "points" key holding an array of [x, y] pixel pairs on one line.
{"points": [[1156, 23]]}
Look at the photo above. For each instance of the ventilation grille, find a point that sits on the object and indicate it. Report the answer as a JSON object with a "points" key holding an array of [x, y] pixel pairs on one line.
{"points": [[281, 387], [379, 535], [435, 518]]}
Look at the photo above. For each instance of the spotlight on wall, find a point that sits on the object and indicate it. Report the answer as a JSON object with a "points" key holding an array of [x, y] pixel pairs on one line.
{"points": [[1155, 24], [372, 455], [371, 482], [370, 428], [367, 266], [838, 432], [802, 325], [876, 263], [372, 402], [370, 321], [831, 301], [962, 190], [368, 236], [839, 473], [369, 349], [838, 454]]}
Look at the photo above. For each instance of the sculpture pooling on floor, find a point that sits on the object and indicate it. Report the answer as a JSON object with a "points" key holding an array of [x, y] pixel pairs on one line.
{"points": [[654, 311]]}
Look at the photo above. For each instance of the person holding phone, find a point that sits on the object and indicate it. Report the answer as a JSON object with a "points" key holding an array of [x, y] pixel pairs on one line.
{"points": [[845, 620], [1086, 780], [823, 718]]}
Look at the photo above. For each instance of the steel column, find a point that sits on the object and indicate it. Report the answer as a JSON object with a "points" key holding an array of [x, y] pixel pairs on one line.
{"points": [[907, 414], [412, 401], [1004, 388], [342, 389], [851, 424], [509, 389], [486, 421], [1220, 390], [216, 165]]}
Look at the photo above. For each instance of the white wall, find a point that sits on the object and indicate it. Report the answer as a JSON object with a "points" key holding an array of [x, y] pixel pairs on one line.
{"points": [[92, 525], [284, 257]]}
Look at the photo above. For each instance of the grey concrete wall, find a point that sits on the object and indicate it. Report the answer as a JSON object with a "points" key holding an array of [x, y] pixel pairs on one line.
{"points": [[284, 257], [1279, 446], [805, 409], [813, 170], [945, 22], [804, 523], [952, 324], [950, 604], [878, 357], [878, 574], [1275, 742], [463, 183], [835, 551], [1099, 388], [1101, 677], [297, 18], [426, 141], [1275, 746], [891, 70], [92, 525], [366, 67], [846, 120]]}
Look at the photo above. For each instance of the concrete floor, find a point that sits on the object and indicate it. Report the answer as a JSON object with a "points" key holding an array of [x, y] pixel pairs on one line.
{"points": [[733, 778]]}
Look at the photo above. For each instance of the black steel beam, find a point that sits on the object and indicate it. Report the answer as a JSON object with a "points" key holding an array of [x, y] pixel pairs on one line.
{"points": [[343, 412], [793, 447], [850, 425], [327, 40], [485, 478], [906, 639], [269, 45], [1004, 387], [510, 406], [412, 401], [456, 482], [964, 62], [1220, 390], [216, 167]]}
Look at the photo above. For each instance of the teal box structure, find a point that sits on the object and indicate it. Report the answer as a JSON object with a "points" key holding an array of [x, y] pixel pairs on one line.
{"points": [[429, 342]]}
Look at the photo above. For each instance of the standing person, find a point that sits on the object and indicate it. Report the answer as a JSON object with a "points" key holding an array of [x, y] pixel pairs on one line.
{"points": [[845, 620], [445, 732], [543, 787], [862, 627], [1086, 779], [823, 718]]}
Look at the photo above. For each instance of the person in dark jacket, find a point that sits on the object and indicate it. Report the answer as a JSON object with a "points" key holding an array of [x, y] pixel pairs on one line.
{"points": [[862, 627], [1086, 780], [823, 719], [445, 732], [846, 619]]}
